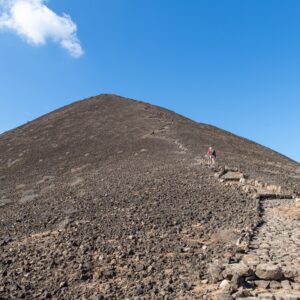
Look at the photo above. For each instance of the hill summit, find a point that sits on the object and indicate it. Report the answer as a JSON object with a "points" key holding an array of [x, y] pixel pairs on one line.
{"points": [[110, 197]]}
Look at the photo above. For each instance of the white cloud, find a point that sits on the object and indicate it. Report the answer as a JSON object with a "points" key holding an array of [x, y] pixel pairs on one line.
{"points": [[35, 22]]}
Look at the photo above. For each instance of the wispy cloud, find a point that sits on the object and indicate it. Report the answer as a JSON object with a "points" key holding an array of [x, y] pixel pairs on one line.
{"points": [[34, 21]]}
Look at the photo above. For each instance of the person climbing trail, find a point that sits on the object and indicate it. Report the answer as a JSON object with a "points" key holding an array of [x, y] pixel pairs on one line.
{"points": [[212, 155]]}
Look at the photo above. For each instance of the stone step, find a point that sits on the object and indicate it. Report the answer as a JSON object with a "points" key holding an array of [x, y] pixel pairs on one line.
{"points": [[265, 194], [232, 176]]}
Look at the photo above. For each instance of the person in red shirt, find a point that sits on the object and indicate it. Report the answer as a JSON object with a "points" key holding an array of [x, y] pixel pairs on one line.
{"points": [[212, 155]]}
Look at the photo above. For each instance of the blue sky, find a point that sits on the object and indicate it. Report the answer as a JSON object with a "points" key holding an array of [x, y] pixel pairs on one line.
{"points": [[234, 64]]}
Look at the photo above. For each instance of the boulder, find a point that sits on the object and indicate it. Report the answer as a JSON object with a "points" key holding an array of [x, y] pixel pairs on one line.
{"points": [[251, 260], [290, 272], [215, 271], [269, 271], [240, 269]]}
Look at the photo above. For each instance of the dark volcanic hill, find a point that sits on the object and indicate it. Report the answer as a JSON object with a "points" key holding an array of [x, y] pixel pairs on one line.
{"points": [[106, 199]]}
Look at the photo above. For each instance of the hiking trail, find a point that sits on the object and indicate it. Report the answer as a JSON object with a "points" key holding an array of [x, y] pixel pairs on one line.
{"points": [[268, 263]]}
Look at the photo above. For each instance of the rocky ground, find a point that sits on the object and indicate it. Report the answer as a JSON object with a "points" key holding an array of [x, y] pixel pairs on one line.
{"points": [[269, 267], [145, 243], [111, 198]]}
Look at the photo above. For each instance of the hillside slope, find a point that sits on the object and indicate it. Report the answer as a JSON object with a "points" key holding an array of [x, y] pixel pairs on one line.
{"points": [[104, 197]]}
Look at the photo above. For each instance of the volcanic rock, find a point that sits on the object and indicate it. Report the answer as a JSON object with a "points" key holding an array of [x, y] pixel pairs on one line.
{"points": [[102, 198], [268, 271]]}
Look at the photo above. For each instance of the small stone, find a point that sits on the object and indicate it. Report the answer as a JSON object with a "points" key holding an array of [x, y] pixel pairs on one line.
{"points": [[139, 268], [265, 246], [297, 279], [150, 269], [130, 252], [289, 272], [215, 272], [237, 281], [240, 269], [275, 285], [186, 286], [242, 292], [109, 274], [286, 285], [268, 271], [296, 286], [250, 278], [84, 277], [266, 296], [223, 296], [225, 284], [47, 295], [63, 284], [97, 275], [140, 290], [251, 260], [288, 296], [262, 284]]}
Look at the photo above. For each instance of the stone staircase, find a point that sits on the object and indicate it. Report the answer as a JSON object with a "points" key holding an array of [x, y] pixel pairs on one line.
{"points": [[268, 263]]}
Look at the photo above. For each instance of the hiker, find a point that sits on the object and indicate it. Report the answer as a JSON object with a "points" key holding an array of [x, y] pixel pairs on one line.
{"points": [[212, 155]]}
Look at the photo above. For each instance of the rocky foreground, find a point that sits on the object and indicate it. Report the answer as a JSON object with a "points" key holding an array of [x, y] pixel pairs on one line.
{"points": [[269, 265], [110, 198], [146, 243]]}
